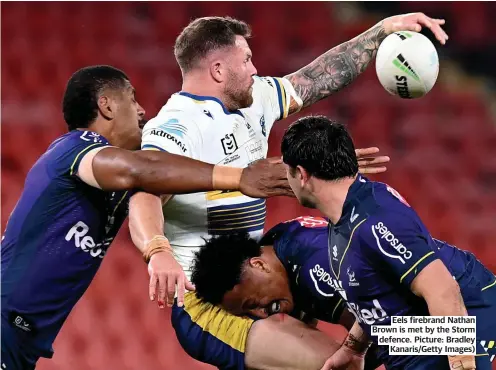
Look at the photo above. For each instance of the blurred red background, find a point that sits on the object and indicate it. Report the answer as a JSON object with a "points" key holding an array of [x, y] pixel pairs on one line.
{"points": [[443, 146]]}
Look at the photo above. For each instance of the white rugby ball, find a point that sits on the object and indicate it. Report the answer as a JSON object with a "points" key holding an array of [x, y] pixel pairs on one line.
{"points": [[407, 64]]}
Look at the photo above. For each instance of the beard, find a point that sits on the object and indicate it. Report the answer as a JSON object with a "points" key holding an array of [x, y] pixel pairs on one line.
{"points": [[239, 97]]}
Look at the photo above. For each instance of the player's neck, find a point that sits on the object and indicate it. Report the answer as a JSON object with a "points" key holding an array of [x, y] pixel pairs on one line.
{"points": [[103, 128], [197, 85], [331, 196]]}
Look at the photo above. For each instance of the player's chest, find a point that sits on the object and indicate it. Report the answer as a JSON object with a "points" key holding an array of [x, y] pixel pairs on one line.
{"points": [[237, 140], [352, 276]]}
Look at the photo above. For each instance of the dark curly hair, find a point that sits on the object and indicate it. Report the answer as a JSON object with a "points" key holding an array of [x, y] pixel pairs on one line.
{"points": [[218, 265]]}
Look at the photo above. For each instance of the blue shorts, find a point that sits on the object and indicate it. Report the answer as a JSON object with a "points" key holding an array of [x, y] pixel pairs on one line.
{"points": [[210, 334]]}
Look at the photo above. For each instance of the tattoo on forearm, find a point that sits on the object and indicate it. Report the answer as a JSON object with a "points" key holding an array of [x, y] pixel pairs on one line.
{"points": [[338, 67]]}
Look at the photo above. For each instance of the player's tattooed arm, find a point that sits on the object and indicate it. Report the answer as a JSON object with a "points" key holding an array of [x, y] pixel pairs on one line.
{"points": [[341, 65], [337, 68]]}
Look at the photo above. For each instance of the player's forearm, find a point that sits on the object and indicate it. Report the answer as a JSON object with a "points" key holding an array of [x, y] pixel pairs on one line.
{"points": [[160, 173], [357, 340], [338, 67], [146, 219]]}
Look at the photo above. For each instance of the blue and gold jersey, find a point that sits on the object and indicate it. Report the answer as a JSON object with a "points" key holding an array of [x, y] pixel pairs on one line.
{"points": [[202, 128], [54, 242]]}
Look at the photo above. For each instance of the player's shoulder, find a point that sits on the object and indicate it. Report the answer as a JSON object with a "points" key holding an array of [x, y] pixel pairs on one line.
{"points": [[296, 228], [65, 153], [297, 238], [391, 214]]}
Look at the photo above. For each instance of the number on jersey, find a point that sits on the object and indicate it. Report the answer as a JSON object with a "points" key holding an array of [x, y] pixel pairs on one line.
{"points": [[310, 222]]}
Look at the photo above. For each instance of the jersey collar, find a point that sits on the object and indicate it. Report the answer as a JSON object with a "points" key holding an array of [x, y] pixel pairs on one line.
{"points": [[204, 98], [353, 198]]}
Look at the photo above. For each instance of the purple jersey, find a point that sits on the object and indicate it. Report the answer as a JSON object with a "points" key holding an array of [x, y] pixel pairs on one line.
{"points": [[54, 242], [377, 249], [301, 245]]}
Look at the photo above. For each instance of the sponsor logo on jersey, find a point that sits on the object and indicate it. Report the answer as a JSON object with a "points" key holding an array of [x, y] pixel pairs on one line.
{"points": [[369, 317], [170, 137], [335, 253], [254, 151], [318, 274], [383, 233], [173, 127], [229, 144], [78, 232]]}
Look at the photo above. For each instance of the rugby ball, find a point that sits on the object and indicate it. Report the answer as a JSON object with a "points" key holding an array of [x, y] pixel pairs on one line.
{"points": [[407, 64]]}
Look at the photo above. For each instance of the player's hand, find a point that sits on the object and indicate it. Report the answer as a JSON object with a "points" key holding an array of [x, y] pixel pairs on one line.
{"points": [[166, 273], [265, 178], [462, 362], [369, 163], [344, 359], [415, 22]]}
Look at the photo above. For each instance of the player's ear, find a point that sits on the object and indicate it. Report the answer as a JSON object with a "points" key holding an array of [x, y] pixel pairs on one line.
{"points": [[105, 107], [217, 70], [259, 263], [302, 175]]}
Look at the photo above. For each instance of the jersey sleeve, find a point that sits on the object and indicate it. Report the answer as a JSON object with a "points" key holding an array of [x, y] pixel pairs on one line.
{"points": [[396, 243], [69, 153], [172, 133], [275, 95]]}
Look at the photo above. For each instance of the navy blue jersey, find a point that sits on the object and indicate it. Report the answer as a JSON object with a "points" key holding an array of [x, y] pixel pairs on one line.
{"points": [[301, 245], [377, 249], [54, 242]]}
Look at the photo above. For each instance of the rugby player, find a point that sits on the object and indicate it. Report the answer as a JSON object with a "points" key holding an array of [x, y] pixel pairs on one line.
{"points": [[382, 257], [75, 200], [291, 263], [223, 115]]}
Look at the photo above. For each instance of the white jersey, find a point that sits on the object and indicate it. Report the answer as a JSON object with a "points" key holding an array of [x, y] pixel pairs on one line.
{"points": [[201, 128]]}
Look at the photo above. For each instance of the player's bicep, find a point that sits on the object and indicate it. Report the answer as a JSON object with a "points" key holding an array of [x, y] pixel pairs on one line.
{"points": [[85, 168], [396, 244], [433, 279]]}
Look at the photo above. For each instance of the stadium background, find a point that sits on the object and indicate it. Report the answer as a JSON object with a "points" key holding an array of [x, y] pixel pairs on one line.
{"points": [[443, 147]]}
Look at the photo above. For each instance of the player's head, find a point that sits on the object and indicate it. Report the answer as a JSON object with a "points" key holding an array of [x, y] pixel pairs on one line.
{"points": [[104, 93], [315, 147], [235, 272], [217, 46]]}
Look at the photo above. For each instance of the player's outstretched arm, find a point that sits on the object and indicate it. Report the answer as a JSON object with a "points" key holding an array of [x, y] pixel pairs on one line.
{"points": [[114, 169], [341, 65]]}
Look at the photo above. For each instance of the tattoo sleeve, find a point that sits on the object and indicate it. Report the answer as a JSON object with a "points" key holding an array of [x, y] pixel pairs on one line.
{"points": [[338, 67]]}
